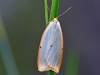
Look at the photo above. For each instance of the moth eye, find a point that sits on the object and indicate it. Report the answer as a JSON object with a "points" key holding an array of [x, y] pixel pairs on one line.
{"points": [[51, 46], [40, 46]]}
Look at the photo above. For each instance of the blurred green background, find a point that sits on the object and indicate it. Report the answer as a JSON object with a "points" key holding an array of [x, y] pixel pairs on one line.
{"points": [[22, 23]]}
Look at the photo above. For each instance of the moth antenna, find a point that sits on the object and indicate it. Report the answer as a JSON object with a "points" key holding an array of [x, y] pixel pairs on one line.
{"points": [[64, 12]]}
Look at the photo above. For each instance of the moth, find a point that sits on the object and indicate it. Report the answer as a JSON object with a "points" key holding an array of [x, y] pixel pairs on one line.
{"points": [[51, 47]]}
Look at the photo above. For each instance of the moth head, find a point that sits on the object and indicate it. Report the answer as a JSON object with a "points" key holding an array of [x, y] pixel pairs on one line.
{"points": [[55, 20]]}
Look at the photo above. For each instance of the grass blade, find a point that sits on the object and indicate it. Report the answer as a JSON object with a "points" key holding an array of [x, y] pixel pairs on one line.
{"points": [[72, 62], [46, 11], [54, 9]]}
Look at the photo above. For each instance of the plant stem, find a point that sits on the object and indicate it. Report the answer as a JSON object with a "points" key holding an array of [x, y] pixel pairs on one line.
{"points": [[51, 72], [54, 9], [46, 11]]}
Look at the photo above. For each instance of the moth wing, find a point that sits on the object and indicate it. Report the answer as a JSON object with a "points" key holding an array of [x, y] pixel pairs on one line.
{"points": [[54, 50], [41, 61]]}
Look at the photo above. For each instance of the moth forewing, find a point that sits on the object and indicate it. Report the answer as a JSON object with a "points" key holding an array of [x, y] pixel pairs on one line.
{"points": [[50, 49]]}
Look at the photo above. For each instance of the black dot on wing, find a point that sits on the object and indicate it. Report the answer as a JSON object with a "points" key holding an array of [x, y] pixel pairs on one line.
{"points": [[40, 46], [51, 46], [62, 48]]}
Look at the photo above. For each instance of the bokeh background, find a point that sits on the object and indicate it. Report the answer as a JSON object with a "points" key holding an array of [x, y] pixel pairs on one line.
{"points": [[22, 23]]}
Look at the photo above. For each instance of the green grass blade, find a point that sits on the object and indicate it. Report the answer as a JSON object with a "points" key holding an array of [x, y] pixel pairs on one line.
{"points": [[72, 63], [46, 11], [6, 52], [54, 9], [51, 72]]}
